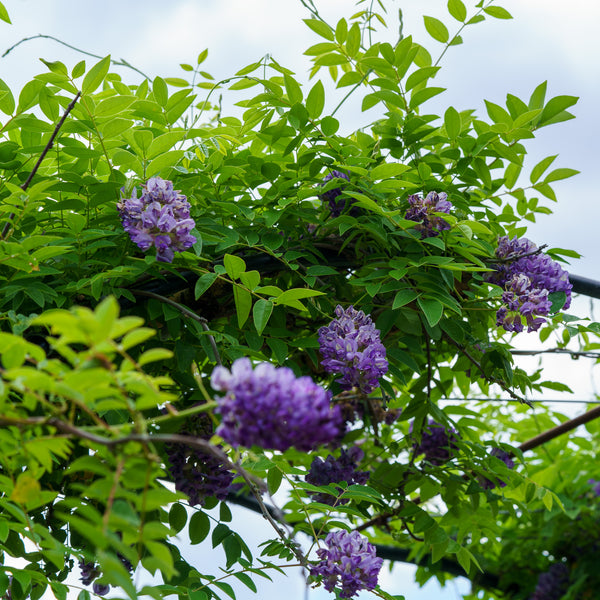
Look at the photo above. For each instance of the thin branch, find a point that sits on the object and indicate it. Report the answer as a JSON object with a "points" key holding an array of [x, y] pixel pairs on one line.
{"points": [[498, 382], [25, 185], [186, 312], [573, 353], [118, 63], [553, 433]]}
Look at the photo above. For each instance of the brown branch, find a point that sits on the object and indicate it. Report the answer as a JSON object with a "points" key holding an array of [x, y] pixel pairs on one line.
{"points": [[186, 312], [41, 158], [565, 427]]}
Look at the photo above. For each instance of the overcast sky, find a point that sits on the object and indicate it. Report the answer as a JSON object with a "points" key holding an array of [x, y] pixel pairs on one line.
{"points": [[548, 40]]}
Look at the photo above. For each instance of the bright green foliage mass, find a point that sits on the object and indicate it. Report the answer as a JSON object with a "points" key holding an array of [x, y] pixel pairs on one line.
{"points": [[106, 354]]}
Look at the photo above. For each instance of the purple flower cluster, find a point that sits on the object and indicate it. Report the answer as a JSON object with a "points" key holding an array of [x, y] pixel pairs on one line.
{"points": [[553, 583], [595, 486], [350, 345], [336, 206], [520, 299], [527, 276], [195, 473], [272, 408], [488, 484], [334, 470], [90, 571], [422, 210], [160, 218], [437, 443], [349, 562]]}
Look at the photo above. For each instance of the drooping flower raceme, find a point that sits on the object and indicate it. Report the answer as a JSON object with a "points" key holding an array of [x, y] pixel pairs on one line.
{"points": [[505, 457], [160, 217], [349, 562], [195, 473], [422, 210], [351, 346], [527, 276], [272, 408], [437, 443], [331, 196], [553, 583], [334, 470]]}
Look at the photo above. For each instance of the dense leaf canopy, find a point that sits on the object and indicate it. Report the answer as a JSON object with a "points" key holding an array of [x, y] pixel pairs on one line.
{"points": [[201, 309]]}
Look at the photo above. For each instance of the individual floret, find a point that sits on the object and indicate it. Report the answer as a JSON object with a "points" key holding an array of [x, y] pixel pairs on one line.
{"points": [[272, 408], [334, 470], [423, 211], [349, 563], [437, 443], [351, 346], [160, 218]]}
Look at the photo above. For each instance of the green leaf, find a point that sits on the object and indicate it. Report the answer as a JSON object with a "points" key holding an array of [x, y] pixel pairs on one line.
{"points": [[243, 304], [274, 478], [95, 76], [160, 91], [555, 106], [539, 169], [315, 101], [199, 527], [293, 89], [234, 265], [497, 12], [420, 96], [353, 41], [291, 297], [432, 309], [4, 13], [261, 313], [559, 174], [387, 170], [452, 122], [320, 28], [204, 284], [458, 10], [177, 517], [436, 29], [7, 100], [403, 297]]}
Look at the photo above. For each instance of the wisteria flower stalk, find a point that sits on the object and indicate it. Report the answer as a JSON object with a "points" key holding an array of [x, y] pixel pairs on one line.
{"points": [[272, 408], [349, 562], [351, 347], [160, 217]]}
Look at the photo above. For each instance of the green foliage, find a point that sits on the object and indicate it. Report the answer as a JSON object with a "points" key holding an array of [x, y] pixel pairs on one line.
{"points": [[91, 397]]}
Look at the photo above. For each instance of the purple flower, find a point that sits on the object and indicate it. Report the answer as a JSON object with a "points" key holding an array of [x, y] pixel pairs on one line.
{"points": [[89, 572], [195, 473], [350, 345], [527, 276], [553, 583], [422, 211], [336, 206], [488, 484], [349, 562], [334, 470], [437, 443], [272, 408], [160, 217], [595, 486]]}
